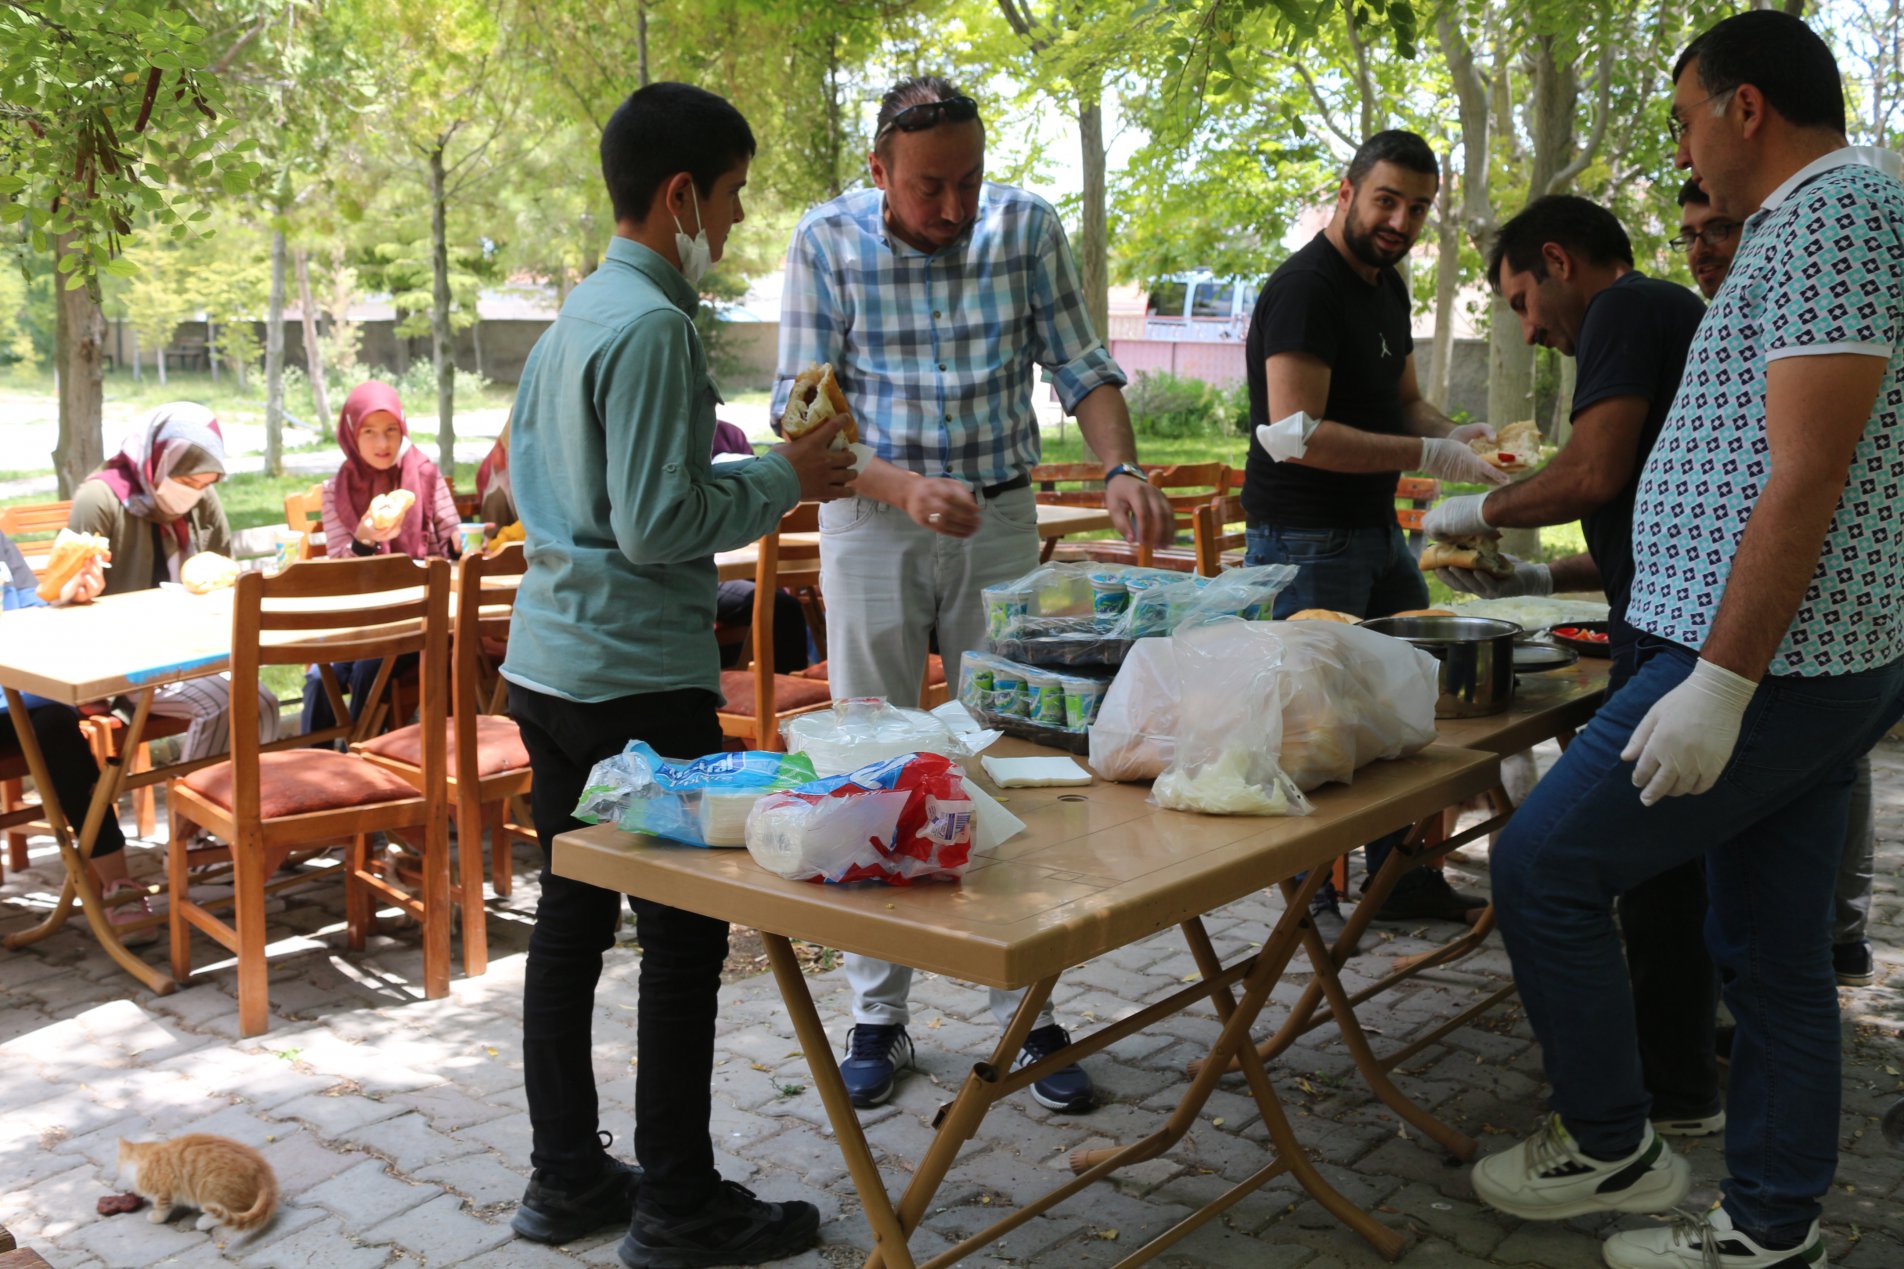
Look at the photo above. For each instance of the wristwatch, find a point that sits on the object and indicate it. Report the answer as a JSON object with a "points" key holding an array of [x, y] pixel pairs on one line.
{"points": [[1127, 469]]}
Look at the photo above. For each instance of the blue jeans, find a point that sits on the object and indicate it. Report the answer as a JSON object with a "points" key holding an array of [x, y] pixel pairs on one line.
{"points": [[1771, 832], [1363, 572]]}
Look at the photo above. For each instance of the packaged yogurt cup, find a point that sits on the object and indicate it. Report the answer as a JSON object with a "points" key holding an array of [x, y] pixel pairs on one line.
{"points": [[1045, 698], [1006, 607], [1082, 700]]}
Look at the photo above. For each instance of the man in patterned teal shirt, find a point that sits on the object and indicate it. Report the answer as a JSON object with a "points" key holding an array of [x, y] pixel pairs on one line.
{"points": [[1771, 656]]}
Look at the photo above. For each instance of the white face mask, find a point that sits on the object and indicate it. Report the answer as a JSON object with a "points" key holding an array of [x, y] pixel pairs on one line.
{"points": [[174, 498], [697, 257]]}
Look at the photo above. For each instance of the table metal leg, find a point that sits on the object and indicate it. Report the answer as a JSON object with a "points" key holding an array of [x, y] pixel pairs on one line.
{"points": [[76, 854], [888, 1235]]}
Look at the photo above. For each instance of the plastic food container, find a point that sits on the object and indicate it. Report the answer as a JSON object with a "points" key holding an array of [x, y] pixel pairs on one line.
{"points": [[1010, 694], [1006, 607], [1082, 700], [1045, 698]]}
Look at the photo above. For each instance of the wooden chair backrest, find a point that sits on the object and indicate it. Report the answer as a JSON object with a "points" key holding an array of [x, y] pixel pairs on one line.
{"points": [[1213, 535], [1046, 477], [339, 610], [33, 526], [1419, 492], [484, 604], [305, 513], [780, 563]]}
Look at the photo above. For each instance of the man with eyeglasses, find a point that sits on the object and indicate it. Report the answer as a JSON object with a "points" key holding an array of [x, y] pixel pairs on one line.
{"points": [[938, 296], [1766, 569], [1708, 239]]}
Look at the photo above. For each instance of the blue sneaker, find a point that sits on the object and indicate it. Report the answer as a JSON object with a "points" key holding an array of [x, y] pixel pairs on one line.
{"points": [[874, 1055], [1067, 1089]]}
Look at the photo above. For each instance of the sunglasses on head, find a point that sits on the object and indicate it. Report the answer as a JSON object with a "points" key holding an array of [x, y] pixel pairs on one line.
{"points": [[930, 114]]}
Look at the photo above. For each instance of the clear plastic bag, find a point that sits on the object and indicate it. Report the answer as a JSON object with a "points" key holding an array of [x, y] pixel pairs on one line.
{"points": [[1343, 697], [701, 803], [870, 729], [903, 820], [1226, 757], [1095, 603]]}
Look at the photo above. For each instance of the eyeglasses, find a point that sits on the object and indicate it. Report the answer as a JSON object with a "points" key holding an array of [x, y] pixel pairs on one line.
{"points": [[930, 114], [1676, 126], [1713, 235]]}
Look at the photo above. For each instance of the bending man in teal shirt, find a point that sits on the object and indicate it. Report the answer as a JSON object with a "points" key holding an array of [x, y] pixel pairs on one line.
{"points": [[613, 640]]}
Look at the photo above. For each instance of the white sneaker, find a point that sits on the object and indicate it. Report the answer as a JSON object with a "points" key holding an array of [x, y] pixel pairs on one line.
{"points": [[1707, 1240], [1548, 1178], [1691, 1125]]}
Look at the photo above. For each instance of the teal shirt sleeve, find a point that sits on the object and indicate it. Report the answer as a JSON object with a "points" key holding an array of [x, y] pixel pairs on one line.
{"points": [[656, 405]]}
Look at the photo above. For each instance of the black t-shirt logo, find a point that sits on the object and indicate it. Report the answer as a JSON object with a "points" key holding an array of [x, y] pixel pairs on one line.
{"points": [[1384, 339]]}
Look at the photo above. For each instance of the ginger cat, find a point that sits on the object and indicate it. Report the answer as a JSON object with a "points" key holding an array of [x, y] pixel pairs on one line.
{"points": [[230, 1184]]}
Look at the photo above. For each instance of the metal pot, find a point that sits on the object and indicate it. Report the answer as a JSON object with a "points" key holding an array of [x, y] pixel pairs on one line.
{"points": [[1476, 655]]}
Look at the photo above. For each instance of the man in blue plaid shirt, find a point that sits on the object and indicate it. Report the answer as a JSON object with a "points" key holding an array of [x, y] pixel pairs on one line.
{"points": [[938, 297]]}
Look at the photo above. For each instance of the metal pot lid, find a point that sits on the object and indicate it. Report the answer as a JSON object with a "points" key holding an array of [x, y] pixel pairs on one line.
{"points": [[1532, 658], [1439, 630]]}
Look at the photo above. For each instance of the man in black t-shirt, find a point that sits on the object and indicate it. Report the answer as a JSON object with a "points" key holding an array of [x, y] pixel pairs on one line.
{"points": [[1336, 413], [1337, 416], [1566, 267]]}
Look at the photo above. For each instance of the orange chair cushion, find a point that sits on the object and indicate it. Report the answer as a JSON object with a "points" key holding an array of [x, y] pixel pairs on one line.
{"points": [[498, 745], [304, 781], [935, 671], [790, 692]]}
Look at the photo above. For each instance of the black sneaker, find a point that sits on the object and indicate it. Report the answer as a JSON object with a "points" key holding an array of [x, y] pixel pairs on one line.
{"points": [[1067, 1089], [1852, 963], [731, 1228], [554, 1212], [1425, 894], [1326, 902]]}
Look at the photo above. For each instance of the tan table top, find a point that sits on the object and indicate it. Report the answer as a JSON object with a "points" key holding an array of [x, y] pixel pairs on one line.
{"points": [[1096, 868], [115, 645], [1053, 522]]}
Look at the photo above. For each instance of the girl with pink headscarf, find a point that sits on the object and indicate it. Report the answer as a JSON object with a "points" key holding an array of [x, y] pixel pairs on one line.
{"points": [[378, 459]]}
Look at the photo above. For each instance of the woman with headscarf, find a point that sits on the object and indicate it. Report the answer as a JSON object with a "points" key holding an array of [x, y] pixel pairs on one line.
{"points": [[378, 459], [153, 501], [495, 490]]}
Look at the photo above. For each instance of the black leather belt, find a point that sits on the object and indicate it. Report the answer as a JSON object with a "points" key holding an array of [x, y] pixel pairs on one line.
{"points": [[1021, 481]]}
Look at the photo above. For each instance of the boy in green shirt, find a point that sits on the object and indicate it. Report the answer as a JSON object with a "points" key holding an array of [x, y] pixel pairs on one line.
{"points": [[612, 640]]}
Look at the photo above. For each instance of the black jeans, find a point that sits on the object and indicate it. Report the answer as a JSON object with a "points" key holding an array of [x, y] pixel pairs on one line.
{"points": [[1675, 985], [356, 678], [70, 762], [681, 960]]}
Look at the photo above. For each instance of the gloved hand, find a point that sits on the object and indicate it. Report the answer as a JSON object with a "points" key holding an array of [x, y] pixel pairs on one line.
{"points": [[1470, 432], [1528, 579], [1686, 739], [1457, 517], [1448, 459]]}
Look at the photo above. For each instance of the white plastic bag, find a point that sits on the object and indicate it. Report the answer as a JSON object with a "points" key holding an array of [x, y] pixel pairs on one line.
{"points": [[1135, 735], [871, 729], [1226, 758]]}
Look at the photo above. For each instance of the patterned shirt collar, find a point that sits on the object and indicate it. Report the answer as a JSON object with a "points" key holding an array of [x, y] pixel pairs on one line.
{"points": [[1886, 161]]}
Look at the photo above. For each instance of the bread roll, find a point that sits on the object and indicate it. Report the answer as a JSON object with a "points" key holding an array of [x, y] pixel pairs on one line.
{"points": [[1515, 448], [387, 510], [71, 553], [1482, 554], [815, 398], [1423, 612], [208, 571], [1324, 614]]}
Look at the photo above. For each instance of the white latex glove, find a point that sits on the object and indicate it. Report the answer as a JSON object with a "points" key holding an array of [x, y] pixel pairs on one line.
{"points": [[1448, 459], [1686, 739], [1471, 432], [1457, 517], [1528, 579]]}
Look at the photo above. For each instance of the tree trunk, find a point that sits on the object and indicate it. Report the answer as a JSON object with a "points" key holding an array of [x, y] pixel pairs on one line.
{"points": [[476, 342], [641, 44], [1447, 284], [158, 356], [1093, 265], [274, 360], [138, 367], [78, 339], [313, 355], [1561, 425], [211, 347], [440, 346]]}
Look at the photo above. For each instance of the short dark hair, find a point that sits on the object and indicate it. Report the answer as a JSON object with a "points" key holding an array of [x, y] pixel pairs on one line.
{"points": [[1585, 229], [1693, 192], [1403, 149], [912, 91], [665, 129], [1777, 54]]}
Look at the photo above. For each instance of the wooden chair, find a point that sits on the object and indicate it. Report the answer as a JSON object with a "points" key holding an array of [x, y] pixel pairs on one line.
{"points": [[1187, 486], [33, 526], [481, 740], [304, 512], [758, 698], [17, 814], [260, 805]]}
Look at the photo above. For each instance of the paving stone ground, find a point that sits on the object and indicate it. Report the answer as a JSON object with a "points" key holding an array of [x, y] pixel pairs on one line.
{"points": [[399, 1132]]}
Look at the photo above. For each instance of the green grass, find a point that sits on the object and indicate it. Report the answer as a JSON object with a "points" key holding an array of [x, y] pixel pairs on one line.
{"points": [[252, 498]]}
